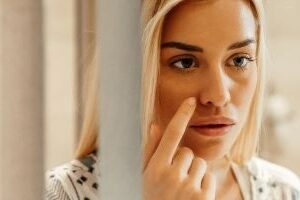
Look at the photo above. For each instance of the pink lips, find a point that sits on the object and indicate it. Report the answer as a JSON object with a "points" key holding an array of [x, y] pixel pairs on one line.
{"points": [[213, 126]]}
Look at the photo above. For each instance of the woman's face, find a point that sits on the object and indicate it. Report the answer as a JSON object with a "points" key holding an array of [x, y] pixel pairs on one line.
{"points": [[208, 51]]}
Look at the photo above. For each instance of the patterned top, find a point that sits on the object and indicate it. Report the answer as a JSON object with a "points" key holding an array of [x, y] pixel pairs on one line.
{"points": [[76, 180], [258, 180]]}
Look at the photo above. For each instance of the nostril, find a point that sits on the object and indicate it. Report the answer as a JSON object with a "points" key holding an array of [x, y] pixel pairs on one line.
{"points": [[215, 96]]}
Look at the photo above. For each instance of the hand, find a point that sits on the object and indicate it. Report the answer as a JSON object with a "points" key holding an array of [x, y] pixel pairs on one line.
{"points": [[175, 173]]}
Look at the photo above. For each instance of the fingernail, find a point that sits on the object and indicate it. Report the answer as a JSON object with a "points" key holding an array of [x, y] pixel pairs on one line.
{"points": [[191, 101]]}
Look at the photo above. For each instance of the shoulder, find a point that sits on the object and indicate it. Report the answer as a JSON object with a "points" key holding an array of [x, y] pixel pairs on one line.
{"points": [[274, 174], [54, 190], [77, 179]]}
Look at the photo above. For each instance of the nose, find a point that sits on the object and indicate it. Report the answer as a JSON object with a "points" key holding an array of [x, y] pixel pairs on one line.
{"points": [[215, 91]]}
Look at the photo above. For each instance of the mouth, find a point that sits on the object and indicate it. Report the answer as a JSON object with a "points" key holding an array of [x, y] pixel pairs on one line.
{"points": [[213, 127]]}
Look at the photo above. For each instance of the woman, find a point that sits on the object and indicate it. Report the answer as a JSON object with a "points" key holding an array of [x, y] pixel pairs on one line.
{"points": [[203, 77]]}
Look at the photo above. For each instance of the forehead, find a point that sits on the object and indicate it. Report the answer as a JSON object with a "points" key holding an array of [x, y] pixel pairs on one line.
{"points": [[225, 20]]}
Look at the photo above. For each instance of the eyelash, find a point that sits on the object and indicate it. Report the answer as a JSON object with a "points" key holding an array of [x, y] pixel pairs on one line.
{"points": [[247, 57], [180, 58], [189, 69]]}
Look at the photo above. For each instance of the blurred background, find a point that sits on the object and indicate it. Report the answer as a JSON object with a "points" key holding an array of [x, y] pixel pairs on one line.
{"points": [[43, 48], [63, 32], [69, 35], [281, 135]]}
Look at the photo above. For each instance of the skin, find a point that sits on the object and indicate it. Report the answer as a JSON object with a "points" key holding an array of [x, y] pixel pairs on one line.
{"points": [[220, 72]]}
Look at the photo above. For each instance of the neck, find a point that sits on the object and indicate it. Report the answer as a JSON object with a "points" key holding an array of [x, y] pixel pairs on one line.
{"points": [[218, 164], [221, 169]]}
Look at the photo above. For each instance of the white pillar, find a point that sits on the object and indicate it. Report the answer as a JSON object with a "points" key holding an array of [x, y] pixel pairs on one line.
{"points": [[120, 72], [21, 70]]}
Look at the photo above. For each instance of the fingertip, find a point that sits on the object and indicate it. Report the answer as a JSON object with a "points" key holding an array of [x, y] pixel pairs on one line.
{"points": [[191, 101]]}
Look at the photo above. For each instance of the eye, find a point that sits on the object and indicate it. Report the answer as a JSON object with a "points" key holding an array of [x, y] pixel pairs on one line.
{"points": [[184, 62], [240, 61]]}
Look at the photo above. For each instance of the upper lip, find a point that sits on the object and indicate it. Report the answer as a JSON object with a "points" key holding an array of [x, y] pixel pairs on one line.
{"points": [[217, 120]]}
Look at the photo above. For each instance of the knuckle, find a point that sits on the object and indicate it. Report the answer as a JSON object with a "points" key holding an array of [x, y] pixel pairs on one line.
{"points": [[197, 196], [154, 178], [176, 176], [205, 195], [173, 177], [186, 151], [189, 187], [200, 162], [172, 180], [155, 175], [188, 190]]}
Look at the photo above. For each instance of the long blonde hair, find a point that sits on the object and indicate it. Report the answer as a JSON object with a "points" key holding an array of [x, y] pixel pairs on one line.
{"points": [[153, 15], [89, 132]]}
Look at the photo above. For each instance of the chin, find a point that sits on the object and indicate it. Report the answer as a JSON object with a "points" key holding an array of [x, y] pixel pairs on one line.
{"points": [[208, 148], [210, 154]]}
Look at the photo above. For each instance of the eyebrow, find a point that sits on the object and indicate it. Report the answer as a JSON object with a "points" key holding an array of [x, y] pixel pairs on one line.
{"points": [[182, 46], [189, 47], [241, 44]]}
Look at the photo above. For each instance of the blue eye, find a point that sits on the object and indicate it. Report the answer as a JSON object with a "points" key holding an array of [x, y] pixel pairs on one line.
{"points": [[240, 62]]}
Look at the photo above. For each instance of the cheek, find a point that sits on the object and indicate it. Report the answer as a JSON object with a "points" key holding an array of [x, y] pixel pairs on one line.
{"points": [[242, 93], [171, 94]]}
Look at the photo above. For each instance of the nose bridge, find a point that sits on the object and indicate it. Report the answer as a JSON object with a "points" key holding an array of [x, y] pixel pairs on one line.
{"points": [[216, 91]]}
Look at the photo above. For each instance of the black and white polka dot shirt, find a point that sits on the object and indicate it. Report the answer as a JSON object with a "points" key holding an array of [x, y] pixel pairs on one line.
{"points": [[76, 180], [258, 180]]}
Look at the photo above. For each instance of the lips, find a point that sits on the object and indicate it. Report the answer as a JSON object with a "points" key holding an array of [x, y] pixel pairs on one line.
{"points": [[213, 126]]}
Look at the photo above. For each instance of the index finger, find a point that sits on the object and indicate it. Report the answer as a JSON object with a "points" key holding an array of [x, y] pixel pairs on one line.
{"points": [[175, 130]]}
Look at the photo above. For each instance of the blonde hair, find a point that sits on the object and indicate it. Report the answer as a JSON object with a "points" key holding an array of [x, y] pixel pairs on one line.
{"points": [[153, 15], [89, 132]]}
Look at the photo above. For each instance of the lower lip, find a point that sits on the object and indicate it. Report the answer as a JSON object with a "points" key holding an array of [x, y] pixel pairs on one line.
{"points": [[208, 131]]}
